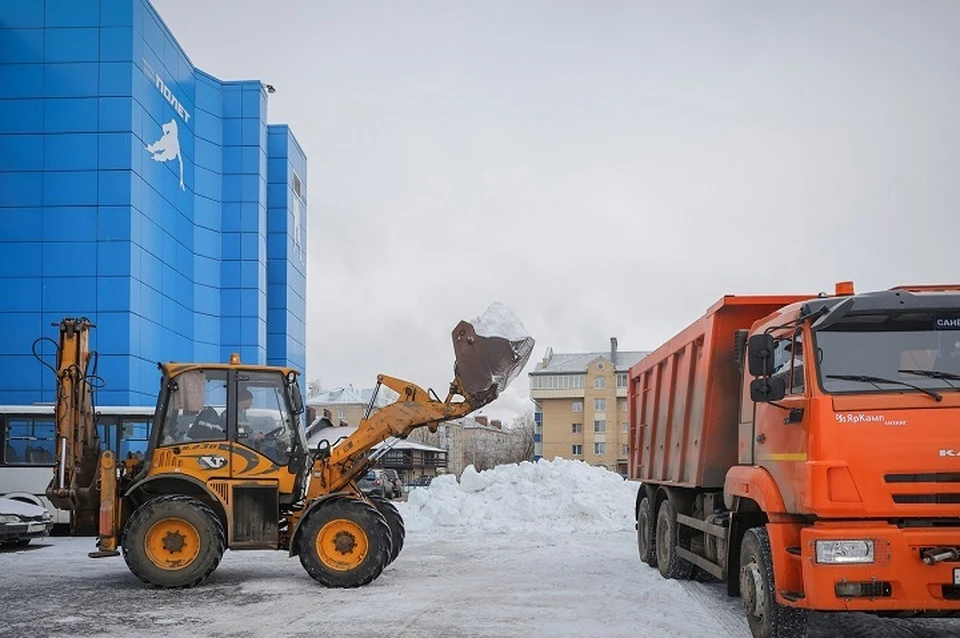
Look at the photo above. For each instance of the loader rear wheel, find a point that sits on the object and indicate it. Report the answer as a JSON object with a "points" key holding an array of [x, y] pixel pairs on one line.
{"points": [[646, 543], [394, 522], [173, 541], [345, 543]]}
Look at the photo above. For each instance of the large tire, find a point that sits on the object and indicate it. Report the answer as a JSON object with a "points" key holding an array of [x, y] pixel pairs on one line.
{"points": [[668, 537], [394, 521], [344, 543], [767, 618], [173, 541], [646, 539]]}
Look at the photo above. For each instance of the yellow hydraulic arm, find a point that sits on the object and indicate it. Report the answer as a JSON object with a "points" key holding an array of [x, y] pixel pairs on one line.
{"points": [[73, 486]]}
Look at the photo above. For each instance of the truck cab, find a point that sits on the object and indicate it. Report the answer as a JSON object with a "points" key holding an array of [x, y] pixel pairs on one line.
{"points": [[851, 405], [803, 449]]}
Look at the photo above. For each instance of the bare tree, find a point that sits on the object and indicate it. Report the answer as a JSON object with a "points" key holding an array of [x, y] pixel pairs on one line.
{"points": [[521, 446], [314, 388]]}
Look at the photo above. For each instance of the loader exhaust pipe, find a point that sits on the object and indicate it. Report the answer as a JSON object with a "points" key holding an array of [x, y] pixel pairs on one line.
{"points": [[490, 353]]}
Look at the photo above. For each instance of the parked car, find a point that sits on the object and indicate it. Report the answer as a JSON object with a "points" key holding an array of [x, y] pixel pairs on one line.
{"points": [[396, 482], [373, 482], [20, 522]]}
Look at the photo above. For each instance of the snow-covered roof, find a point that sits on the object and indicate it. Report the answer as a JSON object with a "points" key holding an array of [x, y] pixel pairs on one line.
{"points": [[353, 396], [334, 434], [560, 362], [337, 396]]}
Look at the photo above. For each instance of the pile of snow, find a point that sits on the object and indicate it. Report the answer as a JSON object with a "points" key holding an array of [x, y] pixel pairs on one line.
{"points": [[499, 321], [560, 496]]}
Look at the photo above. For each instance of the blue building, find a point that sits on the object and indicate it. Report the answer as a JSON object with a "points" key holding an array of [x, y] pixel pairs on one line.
{"points": [[143, 193]]}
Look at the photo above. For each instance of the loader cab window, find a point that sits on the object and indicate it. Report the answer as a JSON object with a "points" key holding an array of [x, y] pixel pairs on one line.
{"points": [[196, 408], [264, 419]]}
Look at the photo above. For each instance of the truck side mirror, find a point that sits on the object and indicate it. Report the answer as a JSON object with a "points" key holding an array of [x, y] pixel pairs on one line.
{"points": [[760, 355], [767, 389]]}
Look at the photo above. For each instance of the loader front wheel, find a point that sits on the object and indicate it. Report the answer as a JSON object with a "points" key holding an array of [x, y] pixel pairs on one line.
{"points": [[345, 543], [394, 522], [173, 541]]}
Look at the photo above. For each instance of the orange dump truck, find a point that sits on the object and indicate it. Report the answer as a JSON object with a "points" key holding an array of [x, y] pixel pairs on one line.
{"points": [[806, 451]]}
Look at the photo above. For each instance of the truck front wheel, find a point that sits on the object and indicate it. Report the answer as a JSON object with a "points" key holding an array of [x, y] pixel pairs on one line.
{"points": [[767, 618]]}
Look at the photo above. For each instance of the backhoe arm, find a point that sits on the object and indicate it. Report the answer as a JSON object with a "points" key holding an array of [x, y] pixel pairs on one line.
{"points": [[73, 486]]}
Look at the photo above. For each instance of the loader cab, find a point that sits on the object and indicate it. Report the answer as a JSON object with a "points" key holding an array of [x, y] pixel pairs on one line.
{"points": [[230, 422]]}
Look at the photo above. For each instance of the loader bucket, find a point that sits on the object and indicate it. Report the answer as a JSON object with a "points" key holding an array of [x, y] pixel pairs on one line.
{"points": [[490, 353]]}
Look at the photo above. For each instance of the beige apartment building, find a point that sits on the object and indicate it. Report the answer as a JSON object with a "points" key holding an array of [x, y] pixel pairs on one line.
{"points": [[581, 406]]}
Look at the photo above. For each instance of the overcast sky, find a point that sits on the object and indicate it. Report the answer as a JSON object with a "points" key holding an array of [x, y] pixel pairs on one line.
{"points": [[603, 169]]}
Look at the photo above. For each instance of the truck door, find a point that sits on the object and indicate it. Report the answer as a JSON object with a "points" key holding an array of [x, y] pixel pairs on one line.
{"points": [[780, 441]]}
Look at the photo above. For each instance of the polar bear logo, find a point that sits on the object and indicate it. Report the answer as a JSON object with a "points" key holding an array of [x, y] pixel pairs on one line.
{"points": [[168, 147]]}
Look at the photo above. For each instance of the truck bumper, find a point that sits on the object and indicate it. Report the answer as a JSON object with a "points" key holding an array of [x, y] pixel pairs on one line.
{"points": [[896, 580]]}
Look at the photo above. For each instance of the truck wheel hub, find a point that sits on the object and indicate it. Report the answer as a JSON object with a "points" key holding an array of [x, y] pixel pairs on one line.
{"points": [[752, 591]]}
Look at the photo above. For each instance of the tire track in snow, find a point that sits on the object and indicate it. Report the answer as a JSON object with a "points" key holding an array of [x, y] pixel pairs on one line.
{"points": [[726, 611]]}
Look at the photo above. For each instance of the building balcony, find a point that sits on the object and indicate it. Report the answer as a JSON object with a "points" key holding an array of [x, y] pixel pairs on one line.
{"points": [[566, 393]]}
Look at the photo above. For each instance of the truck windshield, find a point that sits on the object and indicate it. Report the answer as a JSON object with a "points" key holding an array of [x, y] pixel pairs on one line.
{"points": [[921, 349]]}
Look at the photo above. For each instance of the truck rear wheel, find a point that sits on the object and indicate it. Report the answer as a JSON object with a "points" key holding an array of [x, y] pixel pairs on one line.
{"points": [[344, 543], [646, 526], [669, 536], [767, 618], [173, 541], [394, 521]]}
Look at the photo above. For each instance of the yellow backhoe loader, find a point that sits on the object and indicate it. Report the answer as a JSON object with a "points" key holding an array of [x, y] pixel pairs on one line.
{"points": [[227, 465]]}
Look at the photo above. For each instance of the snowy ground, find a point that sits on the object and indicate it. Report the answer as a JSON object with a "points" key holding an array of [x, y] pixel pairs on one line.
{"points": [[534, 551]]}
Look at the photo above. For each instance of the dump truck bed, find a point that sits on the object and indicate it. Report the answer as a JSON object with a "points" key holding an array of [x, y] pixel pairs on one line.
{"points": [[685, 397]]}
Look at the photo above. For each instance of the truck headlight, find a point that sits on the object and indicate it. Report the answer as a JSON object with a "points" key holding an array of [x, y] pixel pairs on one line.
{"points": [[845, 552]]}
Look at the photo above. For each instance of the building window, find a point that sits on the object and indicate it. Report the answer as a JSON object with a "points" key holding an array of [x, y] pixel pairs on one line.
{"points": [[578, 406], [599, 383], [623, 406], [576, 450], [625, 427], [624, 450], [340, 414], [599, 426], [600, 449], [621, 379], [576, 428], [599, 405]]}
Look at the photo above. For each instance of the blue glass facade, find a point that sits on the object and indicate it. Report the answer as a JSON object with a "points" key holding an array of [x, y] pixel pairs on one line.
{"points": [[144, 193]]}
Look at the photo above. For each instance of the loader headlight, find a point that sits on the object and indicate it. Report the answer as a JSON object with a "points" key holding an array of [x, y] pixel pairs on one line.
{"points": [[845, 552]]}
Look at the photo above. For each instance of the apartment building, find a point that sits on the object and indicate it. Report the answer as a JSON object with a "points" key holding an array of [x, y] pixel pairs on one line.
{"points": [[581, 405]]}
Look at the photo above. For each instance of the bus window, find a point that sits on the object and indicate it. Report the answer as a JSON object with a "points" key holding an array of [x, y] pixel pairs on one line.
{"points": [[107, 433], [30, 442], [133, 441]]}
